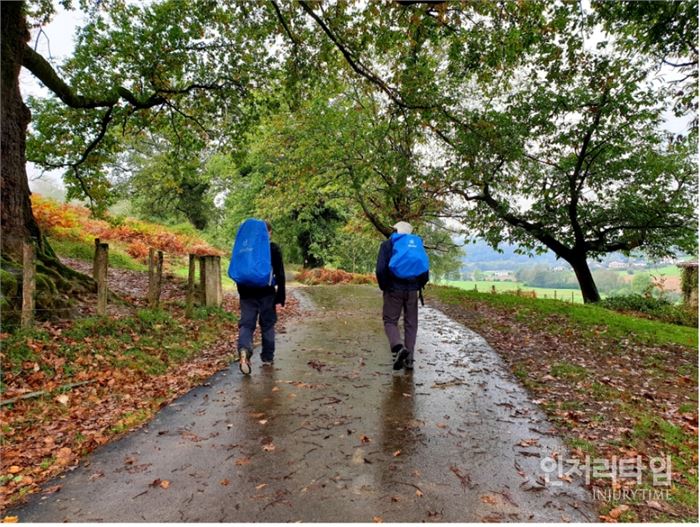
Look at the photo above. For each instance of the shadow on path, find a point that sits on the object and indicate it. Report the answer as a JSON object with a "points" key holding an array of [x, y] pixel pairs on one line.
{"points": [[331, 434]]}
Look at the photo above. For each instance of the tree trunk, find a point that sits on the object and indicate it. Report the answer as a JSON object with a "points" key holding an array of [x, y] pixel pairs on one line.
{"points": [[17, 221], [585, 278], [18, 224]]}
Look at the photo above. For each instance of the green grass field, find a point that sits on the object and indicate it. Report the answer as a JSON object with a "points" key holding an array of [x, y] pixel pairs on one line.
{"points": [[542, 292]]}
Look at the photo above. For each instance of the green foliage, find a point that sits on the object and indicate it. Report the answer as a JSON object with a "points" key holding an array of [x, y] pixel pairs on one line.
{"points": [[85, 251], [657, 308]]}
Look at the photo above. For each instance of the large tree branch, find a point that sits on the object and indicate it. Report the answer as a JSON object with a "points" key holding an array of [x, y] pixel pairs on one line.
{"points": [[357, 65], [42, 70], [535, 229]]}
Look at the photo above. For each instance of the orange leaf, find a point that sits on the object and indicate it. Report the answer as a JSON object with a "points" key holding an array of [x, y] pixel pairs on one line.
{"points": [[364, 439], [14, 469], [397, 453], [224, 482], [10, 519], [165, 484], [419, 493], [617, 511], [377, 519]]}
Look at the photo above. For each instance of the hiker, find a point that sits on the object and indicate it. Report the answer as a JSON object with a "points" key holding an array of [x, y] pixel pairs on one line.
{"points": [[257, 268], [402, 272]]}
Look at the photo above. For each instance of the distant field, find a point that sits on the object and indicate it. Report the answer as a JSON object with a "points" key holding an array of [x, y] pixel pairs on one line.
{"points": [[542, 292]]}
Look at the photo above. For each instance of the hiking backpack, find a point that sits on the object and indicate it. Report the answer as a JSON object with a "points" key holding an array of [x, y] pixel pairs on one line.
{"points": [[408, 257], [251, 262]]}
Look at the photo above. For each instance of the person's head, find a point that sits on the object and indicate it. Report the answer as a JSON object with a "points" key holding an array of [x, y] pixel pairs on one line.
{"points": [[403, 227]]}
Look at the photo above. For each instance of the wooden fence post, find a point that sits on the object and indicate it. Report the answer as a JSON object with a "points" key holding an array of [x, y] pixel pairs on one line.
{"points": [[155, 277], [94, 259], [101, 264], [28, 284], [190, 286], [210, 280]]}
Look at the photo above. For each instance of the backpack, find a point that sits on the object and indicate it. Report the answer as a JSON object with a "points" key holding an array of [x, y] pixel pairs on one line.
{"points": [[251, 262], [408, 257]]}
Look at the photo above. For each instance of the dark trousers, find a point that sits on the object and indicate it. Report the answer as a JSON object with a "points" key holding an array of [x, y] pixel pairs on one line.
{"points": [[253, 309], [394, 303]]}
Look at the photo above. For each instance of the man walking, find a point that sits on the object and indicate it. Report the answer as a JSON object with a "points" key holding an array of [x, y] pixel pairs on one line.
{"points": [[258, 302], [402, 271]]}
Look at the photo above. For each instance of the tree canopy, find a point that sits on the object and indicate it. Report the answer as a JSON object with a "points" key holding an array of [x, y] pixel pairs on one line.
{"points": [[534, 122]]}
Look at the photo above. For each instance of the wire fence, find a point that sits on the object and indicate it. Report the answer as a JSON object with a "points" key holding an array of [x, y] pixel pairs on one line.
{"points": [[201, 289]]}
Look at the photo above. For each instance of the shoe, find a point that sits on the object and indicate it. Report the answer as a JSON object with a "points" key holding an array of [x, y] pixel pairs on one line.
{"points": [[408, 364], [268, 363], [244, 364], [400, 359], [236, 356]]}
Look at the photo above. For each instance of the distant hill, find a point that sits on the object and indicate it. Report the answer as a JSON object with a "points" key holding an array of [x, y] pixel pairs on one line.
{"points": [[482, 256]]}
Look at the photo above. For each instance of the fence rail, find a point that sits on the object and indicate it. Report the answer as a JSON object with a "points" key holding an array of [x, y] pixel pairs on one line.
{"points": [[207, 291]]}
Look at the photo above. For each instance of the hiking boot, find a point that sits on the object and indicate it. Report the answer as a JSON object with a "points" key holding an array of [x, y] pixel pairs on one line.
{"points": [[400, 358], [408, 365], [244, 364], [268, 362], [236, 356]]}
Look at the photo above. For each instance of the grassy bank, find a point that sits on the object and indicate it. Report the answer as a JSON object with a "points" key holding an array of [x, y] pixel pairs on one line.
{"points": [[613, 385]]}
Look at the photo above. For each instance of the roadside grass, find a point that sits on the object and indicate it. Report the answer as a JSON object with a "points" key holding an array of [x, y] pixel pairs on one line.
{"points": [[120, 370], [613, 385], [592, 320]]}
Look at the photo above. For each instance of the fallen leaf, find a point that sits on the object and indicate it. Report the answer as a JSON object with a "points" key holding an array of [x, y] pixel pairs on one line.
{"points": [[268, 447], [263, 421], [10, 519], [377, 519], [395, 499], [155, 483], [364, 439], [397, 453], [63, 399], [529, 442], [419, 493], [275, 389], [242, 461], [14, 469], [261, 486], [441, 425], [52, 490], [488, 499], [224, 482], [618, 511], [165, 484]]}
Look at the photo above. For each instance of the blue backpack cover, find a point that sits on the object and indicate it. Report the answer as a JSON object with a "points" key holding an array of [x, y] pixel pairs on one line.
{"points": [[408, 257], [251, 262]]}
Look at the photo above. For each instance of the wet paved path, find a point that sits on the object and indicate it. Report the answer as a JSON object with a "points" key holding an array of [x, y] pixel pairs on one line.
{"points": [[331, 434]]}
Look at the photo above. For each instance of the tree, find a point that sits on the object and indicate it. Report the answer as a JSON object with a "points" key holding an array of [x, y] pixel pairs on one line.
{"points": [[582, 124], [183, 62]]}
